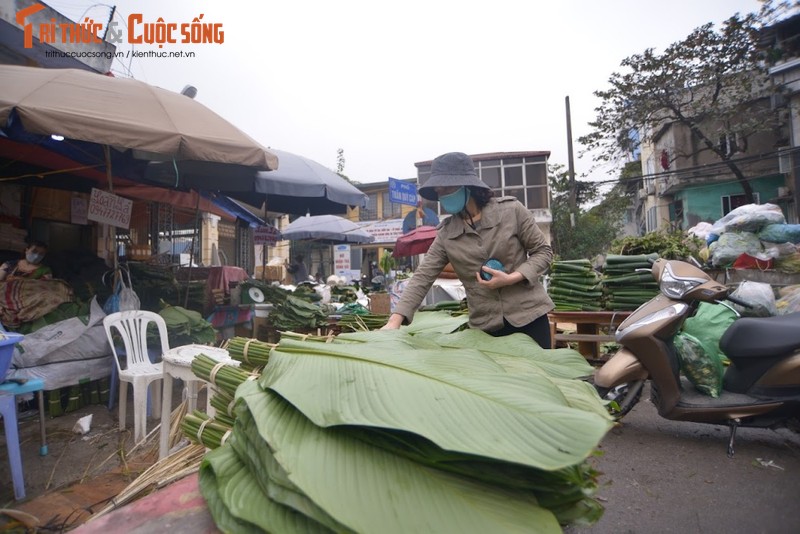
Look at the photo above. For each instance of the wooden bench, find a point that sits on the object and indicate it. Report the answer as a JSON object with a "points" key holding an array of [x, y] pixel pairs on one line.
{"points": [[593, 329]]}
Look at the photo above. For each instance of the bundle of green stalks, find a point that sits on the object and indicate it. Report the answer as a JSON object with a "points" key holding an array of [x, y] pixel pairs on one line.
{"points": [[207, 431], [224, 376], [628, 282], [251, 352], [575, 286]]}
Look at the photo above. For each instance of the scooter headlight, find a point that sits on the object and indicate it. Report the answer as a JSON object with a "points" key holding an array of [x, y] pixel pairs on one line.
{"points": [[676, 287]]}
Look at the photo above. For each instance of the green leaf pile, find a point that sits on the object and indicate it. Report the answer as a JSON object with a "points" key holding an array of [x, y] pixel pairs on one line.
{"points": [[401, 431], [296, 314], [575, 286], [624, 287]]}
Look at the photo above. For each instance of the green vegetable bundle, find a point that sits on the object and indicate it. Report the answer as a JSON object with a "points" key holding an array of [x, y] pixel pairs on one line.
{"points": [[207, 431], [395, 431], [624, 287], [224, 376], [296, 314], [575, 286], [251, 352]]}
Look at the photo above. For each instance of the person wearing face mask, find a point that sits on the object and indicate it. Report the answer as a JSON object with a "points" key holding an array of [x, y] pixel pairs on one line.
{"points": [[30, 266], [496, 249]]}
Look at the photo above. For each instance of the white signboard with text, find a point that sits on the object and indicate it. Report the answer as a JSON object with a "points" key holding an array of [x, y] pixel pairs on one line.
{"points": [[341, 261], [108, 208]]}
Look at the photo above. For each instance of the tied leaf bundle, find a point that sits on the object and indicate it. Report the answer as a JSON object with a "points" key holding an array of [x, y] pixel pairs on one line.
{"points": [[251, 352], [297, 314], [626, 288], [575, 286], [207, 431], [224, 376], [396, 431], [365, 321]]}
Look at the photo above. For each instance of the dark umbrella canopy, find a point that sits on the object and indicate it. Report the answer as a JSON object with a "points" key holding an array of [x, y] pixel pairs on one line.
{"points": [[417, 241], [326, 228], [300, 185]]}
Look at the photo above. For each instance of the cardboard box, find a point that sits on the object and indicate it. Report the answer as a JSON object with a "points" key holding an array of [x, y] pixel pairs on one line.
{"points": [[273, 273], [379, 303]]}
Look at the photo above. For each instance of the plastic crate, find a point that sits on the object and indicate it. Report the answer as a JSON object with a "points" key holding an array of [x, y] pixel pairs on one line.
{"points": [[7, 342]]}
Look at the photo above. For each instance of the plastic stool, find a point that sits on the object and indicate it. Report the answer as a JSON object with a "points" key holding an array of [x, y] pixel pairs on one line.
{"points": [[8, 409]]}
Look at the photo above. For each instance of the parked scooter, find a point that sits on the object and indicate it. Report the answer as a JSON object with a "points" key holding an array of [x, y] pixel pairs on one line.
{"points": [[761, 386]]}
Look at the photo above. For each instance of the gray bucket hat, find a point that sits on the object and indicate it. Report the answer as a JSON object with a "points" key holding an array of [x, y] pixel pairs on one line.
{"points": [[448, 170]]}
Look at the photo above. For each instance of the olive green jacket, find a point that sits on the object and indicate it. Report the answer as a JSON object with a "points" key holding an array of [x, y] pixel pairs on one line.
{"points": [[506, 231]]}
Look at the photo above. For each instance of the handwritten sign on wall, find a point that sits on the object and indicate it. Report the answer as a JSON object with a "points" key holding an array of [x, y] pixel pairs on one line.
{"points": [[110, 209]]}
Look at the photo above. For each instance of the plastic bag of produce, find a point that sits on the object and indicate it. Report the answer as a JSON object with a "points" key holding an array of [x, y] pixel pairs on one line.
{"points": [[780, 233], [749, 218], [708, 324], [759, 295], [789, 303], [789, 264], [730, 246], [702, 369]]}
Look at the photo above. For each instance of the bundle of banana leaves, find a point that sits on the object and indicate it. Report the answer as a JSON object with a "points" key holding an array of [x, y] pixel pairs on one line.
{"points": [[252, 353], [625, 288], [297, 314], [455, 307], [362, 321], [344, 294], [396, 431], [575, 286]]}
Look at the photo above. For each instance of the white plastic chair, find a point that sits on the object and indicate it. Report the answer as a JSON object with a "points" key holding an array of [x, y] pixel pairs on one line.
{"points": [[139, 371]]}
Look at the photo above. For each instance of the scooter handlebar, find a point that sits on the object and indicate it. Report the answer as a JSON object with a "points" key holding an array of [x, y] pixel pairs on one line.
{"points": [[740, 302]]}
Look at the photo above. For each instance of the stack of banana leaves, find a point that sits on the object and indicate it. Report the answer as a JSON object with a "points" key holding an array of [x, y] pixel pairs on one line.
{"points": [[575, 286], [427, 430], [296, 313], [455, 307], [624, 287]]}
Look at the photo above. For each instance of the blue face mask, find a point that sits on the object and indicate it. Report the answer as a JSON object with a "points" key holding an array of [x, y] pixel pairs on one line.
{"points": [[455, 202]]}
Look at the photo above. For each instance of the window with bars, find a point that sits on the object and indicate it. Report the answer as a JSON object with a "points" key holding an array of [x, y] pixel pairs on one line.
{"points": [[731, 202], [370, 211]]}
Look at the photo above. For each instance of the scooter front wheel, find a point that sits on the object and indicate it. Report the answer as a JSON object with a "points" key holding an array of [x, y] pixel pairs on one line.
{"points": [[622, 398]]}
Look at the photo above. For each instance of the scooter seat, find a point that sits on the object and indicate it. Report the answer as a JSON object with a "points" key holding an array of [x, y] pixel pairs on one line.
{"points": [[751, 337]]}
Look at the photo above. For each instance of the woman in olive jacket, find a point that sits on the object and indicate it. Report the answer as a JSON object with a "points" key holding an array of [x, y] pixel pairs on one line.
{"points": [[501, 300]]}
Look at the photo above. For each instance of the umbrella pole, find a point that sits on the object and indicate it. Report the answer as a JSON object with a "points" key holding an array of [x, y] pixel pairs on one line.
{"points": [[191, 256], [112, 230], [264, 247]]}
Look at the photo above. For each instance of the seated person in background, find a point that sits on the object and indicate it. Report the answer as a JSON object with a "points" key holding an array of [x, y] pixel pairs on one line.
{"points": [[30, 266]]}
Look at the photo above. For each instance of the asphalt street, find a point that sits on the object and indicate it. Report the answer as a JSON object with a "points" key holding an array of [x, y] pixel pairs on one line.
{"points": [[664, 476]]}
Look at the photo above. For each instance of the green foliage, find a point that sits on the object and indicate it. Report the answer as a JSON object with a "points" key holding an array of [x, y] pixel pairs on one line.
{"points": [[707, 83], [594, 229], [670, 245]]}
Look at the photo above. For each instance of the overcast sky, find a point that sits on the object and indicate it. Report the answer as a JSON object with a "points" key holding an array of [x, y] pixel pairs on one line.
{"points": [[397, 83]]}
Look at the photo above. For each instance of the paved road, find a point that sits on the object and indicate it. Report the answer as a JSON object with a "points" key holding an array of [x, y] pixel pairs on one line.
{"points": [[661, 476]]}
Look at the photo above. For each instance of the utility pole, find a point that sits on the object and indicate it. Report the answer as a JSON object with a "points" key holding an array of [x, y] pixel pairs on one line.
{"points": [[571, 168]]}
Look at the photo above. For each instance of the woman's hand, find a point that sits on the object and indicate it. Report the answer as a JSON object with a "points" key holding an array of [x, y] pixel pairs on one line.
{"points": [[395, 321], [499, 278]]}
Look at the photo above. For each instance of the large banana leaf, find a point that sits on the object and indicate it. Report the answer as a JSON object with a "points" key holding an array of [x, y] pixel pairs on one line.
{"points": [[450, 396], [270, 476], [519, 353], [237, 489], [370, 490], [435, 321]]}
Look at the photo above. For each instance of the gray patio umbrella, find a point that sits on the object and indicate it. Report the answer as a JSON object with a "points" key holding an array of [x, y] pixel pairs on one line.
{"points": [[326, 228], [300, 185]]}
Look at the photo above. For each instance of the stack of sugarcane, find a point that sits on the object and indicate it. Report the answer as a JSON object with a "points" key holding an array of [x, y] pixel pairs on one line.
{"points": [[382, 432], [624, 287], [575, 286], [200, 427]]}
